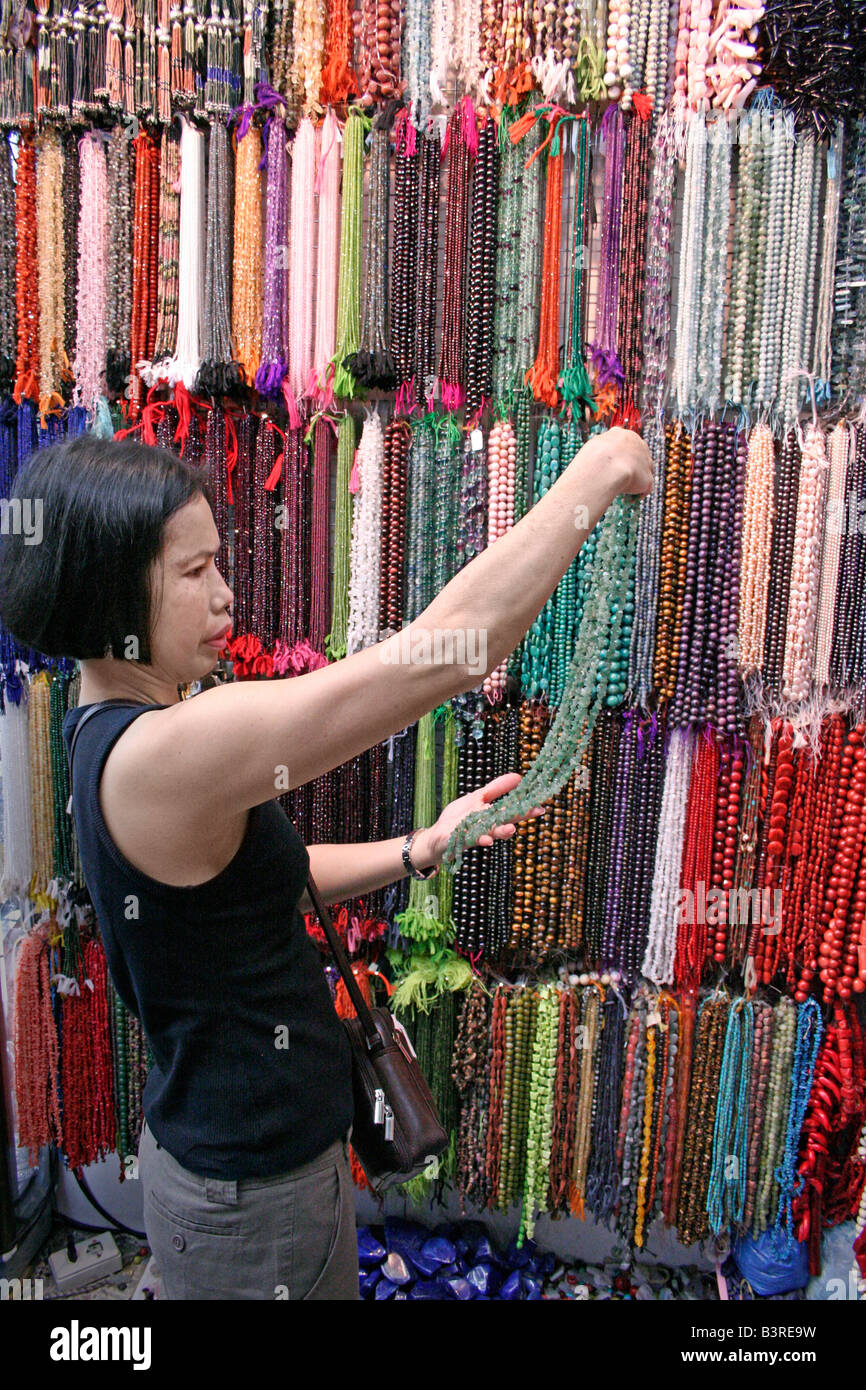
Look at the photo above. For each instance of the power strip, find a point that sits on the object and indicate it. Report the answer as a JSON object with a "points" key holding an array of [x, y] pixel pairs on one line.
{"points": [[98, 1256]]}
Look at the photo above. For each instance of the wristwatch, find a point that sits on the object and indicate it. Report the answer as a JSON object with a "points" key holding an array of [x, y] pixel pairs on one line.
{"points": [[407, 862]]}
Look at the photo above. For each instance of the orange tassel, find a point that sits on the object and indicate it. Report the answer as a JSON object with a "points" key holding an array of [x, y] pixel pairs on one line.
{"points": [[543, 375]]}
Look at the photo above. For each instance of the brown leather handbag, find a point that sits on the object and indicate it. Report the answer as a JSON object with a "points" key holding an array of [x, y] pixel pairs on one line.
{"points": [[396, 1131]]}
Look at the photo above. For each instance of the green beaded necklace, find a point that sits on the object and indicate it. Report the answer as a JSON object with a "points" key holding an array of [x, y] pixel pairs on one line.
{"points": [[335, 642], [586, 688]]}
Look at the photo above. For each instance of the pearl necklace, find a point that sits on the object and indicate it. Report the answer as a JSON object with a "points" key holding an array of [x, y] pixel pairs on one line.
{"points": [[806, 567]]}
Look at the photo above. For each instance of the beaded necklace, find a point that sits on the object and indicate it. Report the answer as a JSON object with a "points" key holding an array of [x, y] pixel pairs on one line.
{"points": [[144, 267], [8, 279], [691, 1219], [805, 566], [423, 342], [275, 348], [540, 1120], [349, 291], [608, 368], [247, 257], [689, 286], [393, 526], [810, 1029], [590, 1020], [379, 51], [327, 259], [529, 254], [89, 365], [782, 551], [335, 642], [849, 300], [509, 233], [801, 274], [481, 257], [461, 145], [26, 277], [51, 256], [726, 1193], [415, 65], [632, 262], [471, 1076], [756, 549], [602, 1182], [543, 375], [599, 631], [713, 273], [119, 304], [168, 250], [302, 263], [574, 381], [373, 365], [403, 263], [218, 373], [646, 578], [849, 617], [363, 626], [37, 1055], [836, 496]]}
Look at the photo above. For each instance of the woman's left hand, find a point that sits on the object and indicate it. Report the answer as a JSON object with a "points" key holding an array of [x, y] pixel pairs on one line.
{"points": [[437, 835]]}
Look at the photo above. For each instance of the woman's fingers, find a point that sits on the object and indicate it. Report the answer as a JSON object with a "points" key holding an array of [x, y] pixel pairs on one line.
{"points": [[500, 785]]}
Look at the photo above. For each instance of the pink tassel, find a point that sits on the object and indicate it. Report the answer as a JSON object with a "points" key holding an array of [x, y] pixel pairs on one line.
{"points": [[291, 406], [355, 479]]}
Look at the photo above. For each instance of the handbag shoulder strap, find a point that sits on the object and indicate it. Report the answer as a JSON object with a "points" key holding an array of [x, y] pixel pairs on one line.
{"points": [[374, 1042], [93, 709]]}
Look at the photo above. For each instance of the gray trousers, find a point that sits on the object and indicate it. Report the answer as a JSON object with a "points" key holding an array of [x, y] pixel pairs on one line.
{"points": [[287, 1237]]}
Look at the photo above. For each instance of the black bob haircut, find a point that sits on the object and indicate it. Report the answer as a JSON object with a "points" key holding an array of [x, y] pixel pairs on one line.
{"points": [[84, 589]]}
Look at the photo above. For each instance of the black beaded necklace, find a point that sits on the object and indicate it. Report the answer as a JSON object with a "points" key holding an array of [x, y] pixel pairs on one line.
{"points": [[787, 482], [404, 258], [481, 273], [426, 267]]}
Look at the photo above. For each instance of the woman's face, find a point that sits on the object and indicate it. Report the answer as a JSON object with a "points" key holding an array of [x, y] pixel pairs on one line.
{"points": [[191, 600]]}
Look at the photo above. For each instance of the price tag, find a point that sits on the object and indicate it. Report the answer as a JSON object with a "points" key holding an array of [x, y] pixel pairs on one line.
{"points": [[654, 1019], [476, 441]]}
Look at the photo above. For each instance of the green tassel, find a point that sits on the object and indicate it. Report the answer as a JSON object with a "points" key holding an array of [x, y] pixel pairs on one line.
{"points": [[419, 1190]]}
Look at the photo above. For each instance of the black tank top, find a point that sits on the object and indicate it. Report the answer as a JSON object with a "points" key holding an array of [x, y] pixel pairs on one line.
{"points": [[252, 1068]]}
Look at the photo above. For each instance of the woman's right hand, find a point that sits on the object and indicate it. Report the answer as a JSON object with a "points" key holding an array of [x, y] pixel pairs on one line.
{"points": [[624, 455]]}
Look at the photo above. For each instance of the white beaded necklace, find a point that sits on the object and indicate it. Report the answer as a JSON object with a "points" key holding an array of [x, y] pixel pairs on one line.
{"points": [[713, 291], [363, 624], [689, 287], [17, 832], [658, 961], [835, 518], [821, 359]]}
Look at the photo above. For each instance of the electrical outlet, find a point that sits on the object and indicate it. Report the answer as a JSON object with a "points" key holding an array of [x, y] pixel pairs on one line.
{"points": [[98, 1256]]}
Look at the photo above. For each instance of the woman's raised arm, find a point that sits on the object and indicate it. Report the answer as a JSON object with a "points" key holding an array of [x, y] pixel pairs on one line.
{"points": [[238, 745]]}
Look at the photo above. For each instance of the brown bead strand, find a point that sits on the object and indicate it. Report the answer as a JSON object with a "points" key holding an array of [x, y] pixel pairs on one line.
{"points": [[672, 564]]}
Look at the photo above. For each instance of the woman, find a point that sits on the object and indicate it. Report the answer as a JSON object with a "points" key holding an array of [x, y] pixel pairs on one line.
{"points": [[196, 874]]}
